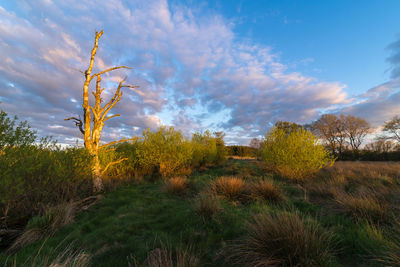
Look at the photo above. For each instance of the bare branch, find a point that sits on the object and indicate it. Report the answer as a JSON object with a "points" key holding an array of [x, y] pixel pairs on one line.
{"points": [[110, 69], [116, 115], [116, 97], [81, 71], [119, 141], [113, 100], [78, 122], [130, 86], [92, 55], [112, 163]]}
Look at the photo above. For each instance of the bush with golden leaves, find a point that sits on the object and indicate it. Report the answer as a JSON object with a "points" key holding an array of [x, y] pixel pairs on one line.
{"points": [[295, 154]]}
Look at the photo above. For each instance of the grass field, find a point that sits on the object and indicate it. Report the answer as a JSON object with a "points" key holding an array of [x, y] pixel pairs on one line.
{"points": [[239, 214]]}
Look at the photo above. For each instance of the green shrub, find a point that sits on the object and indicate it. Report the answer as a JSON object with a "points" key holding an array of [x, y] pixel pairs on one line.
{"points": [[13, 134], [208, 149], [164, 151], [34, 175], [204, 149], [294, 154], [124, 169], [220, 144]]}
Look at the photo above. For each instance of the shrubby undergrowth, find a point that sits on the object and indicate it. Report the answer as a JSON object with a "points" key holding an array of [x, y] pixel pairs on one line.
{"points": [[37, 174]]}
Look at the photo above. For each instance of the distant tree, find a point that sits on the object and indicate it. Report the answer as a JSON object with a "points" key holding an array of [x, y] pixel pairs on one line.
{"points": [[13, 133], [255, 143], [356, 129], [331, 130], [288, 126], [392, 127], [92, 132], [381, 146]]}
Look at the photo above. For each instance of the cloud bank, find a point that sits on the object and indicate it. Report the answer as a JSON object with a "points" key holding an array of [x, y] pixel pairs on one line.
{"points": [[193, 72]]}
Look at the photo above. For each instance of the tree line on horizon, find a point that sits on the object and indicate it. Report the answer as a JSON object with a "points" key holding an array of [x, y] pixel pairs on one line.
{"points": [[343, 136]]}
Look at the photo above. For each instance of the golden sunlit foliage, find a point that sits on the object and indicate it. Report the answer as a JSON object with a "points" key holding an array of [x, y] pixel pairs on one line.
{"points": [[167, 152], [204, 149], [294, 154], [164, 151]]}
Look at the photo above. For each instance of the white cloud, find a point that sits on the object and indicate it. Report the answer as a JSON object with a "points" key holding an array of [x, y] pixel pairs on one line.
{"points": [[181, 59]]}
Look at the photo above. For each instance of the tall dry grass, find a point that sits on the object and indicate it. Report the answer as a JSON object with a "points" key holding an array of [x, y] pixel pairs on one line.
{"points": [[368, 190], [167, 257], [176, 185], [232, 188], [283, 239], [207, 206], [46, 225], [392, 253], [267, 190], [362, 206], [56, 257]]}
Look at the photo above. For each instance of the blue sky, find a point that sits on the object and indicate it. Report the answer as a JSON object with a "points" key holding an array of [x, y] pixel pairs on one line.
{"points": [[339, 40], [236, 66]]}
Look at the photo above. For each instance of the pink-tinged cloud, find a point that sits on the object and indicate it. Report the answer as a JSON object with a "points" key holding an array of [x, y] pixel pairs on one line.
{"points": [[185, 64]]}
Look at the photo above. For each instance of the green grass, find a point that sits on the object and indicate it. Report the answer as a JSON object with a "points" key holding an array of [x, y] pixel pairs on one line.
{"points": [[135, 219]]}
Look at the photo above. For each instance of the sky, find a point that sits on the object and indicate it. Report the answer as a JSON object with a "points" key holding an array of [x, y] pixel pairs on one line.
{"points": [[232, 66]]}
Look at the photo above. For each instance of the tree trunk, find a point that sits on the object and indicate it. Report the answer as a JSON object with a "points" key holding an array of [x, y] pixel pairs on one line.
{"points": [[97, 179]]}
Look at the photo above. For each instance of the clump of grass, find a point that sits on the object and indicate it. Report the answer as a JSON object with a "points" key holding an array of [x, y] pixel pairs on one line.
{"points": [[207, 206], [232, 188], [66, 258], [283, 239], [164, 257], [71, 259], [392, 252], [325, 190], [46, 225], [362, 207], [176, 185], [267, 190]]}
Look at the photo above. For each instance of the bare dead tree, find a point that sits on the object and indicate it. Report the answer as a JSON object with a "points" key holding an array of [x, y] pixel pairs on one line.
{"points": [[98, 115]]}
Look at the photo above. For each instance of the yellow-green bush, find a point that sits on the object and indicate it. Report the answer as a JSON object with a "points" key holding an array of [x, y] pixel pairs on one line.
{"points": [[204, 149], [164, 151], [208, 149], [221, 150], [294, 154]]}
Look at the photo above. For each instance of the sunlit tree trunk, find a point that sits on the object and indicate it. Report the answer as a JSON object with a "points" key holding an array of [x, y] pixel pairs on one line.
{"points": [[95, 116]]}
